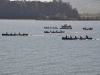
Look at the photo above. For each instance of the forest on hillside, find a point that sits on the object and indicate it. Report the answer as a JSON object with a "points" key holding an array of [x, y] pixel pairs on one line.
{"points": [[55, 10]]}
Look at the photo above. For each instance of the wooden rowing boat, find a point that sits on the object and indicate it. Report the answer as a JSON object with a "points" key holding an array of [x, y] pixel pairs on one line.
{"points": [[64, 38]]}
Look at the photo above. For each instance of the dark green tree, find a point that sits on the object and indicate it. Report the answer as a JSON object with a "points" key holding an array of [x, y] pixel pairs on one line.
{"points": [[36, 10]]}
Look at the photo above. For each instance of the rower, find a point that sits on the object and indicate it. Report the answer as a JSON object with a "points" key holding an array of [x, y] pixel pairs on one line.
{"points": [[66, 36], [15, 33], [11, 34], [71, 37], [75, 37], [86, 36], [80, 37]]}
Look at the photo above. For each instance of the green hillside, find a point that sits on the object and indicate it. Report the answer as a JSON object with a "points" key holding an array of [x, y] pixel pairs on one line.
{"points": [[90, 8], [87, 6]]}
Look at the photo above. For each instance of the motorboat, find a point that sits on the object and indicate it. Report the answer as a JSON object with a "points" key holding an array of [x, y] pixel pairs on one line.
{"points": [[65, 26]]}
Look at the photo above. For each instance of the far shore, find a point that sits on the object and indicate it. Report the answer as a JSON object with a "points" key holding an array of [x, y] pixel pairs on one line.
{"points": [[49, 20]]}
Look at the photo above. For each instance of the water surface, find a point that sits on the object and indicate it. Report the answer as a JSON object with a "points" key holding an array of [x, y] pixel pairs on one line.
{"points": [[48, 54]]}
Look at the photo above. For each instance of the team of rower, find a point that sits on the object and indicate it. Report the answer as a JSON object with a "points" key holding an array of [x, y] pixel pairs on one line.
{"points": [[76, 37]]}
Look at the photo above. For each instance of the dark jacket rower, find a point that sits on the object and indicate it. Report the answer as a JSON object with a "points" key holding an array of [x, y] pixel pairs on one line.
{"points": [[71, 37], [66, 36], [86, 36], [75, 37], [80, 37]]}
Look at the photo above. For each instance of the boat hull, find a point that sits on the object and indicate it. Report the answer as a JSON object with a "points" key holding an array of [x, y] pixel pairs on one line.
{"points": [[65, 26]]}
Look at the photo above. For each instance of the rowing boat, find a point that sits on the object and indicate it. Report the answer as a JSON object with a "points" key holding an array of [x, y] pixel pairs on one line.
{"points": [[64, 38], [6, 34]]}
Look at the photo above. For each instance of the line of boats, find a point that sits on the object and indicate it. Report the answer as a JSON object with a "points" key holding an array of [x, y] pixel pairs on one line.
{"points": [[14, 34], [65, 26], [63, 38]]}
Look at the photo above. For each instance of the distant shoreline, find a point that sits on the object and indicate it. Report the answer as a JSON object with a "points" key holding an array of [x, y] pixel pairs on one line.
{"points": [[36, 10], [49, 20]]}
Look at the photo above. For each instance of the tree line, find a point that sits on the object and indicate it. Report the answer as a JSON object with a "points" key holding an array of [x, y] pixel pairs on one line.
{"points": [[55, 10]]}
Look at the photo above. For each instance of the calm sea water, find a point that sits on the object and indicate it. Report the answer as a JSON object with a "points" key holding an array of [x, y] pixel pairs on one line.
{"points": [[48, 54]]}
